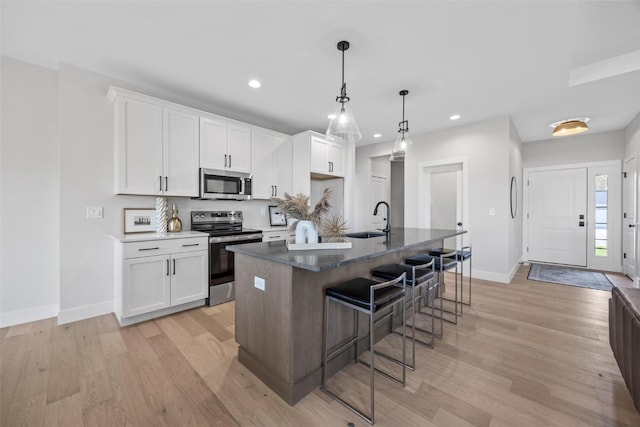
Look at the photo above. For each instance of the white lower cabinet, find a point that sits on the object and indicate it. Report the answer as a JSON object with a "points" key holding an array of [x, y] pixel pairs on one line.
{"points": [[274, 236], [158, 277]]}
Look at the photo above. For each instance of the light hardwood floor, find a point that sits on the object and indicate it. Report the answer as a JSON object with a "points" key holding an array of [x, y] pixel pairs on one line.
{"points": [[525, 354]]}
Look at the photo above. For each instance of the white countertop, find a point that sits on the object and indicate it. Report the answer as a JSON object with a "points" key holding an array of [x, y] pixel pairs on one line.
{"points": [[143, 237]]}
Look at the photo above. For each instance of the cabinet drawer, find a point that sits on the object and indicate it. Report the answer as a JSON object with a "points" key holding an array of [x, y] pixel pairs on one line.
{"points": [[162, 247], [274, 236]]}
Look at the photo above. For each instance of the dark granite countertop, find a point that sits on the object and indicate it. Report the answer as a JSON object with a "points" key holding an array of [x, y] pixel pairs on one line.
{"points": [[362, 249]]}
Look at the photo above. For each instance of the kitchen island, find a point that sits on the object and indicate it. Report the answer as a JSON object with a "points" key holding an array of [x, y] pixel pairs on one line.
{"points": [[280, 302]]}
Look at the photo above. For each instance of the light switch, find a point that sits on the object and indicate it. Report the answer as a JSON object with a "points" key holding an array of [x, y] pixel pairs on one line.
{"points": [[492, 211], [258, 282], [94, 212]]}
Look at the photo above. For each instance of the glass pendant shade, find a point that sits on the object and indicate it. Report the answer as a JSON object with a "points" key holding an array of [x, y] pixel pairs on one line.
{"points": [[343, 125], [402, 145]]}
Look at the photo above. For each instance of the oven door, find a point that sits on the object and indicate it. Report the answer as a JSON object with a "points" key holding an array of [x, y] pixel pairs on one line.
{"points": [[221, 287]]}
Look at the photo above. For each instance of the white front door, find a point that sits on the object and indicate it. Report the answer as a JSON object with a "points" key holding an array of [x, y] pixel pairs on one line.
{"points": [[557, 212], [629, 217]]}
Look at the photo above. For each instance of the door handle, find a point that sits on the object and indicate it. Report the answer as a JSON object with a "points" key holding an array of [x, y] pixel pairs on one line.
{"points": [[631, 225], [581, 224], [459, 224]]}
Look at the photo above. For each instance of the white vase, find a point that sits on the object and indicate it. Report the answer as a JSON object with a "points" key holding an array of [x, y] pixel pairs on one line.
{"points": [[162, 215], [306, 232]]}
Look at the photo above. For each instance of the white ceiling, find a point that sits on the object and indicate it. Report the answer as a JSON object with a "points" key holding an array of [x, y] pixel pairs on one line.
{"points": [[480, 59]]}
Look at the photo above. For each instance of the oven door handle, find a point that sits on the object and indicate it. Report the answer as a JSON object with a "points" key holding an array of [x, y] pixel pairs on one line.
{"points": [[238, 238]]}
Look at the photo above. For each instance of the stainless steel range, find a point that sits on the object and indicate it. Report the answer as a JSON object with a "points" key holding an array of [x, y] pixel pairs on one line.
{"points": [[225, 229]]}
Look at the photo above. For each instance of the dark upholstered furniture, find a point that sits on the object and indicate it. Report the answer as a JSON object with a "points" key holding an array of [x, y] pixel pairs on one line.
{"points": [[624, 336]]}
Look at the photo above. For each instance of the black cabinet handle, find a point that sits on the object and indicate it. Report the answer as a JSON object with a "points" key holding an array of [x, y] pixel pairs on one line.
{"points": [[192, 244], [149, 249], [229, 160], [276, 192], [160, 182], [225, 160], [167, 267], [166, 183], [174, 267]]}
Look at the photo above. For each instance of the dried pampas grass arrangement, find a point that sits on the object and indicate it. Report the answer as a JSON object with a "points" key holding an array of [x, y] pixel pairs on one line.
{"points": [[297, 207]]}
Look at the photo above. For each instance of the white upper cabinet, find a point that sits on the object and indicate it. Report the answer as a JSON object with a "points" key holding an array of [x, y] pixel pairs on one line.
{"points": [[224, 146], [156, 146], [327, 157], [271, 159]]}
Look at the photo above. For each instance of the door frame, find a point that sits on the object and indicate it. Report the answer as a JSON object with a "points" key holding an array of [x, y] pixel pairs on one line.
{"points": [[424, 196], [634, 206], [614, 214]]}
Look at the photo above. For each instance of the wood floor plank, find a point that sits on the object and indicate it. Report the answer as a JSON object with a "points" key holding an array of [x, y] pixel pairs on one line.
{"points": [[524, 354]]}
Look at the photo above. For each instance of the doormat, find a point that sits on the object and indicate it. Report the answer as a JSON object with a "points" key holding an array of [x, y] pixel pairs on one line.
{"points": [[569, 276]]}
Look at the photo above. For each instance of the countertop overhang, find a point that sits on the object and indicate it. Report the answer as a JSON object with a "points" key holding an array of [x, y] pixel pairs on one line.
{"points": [[362, 249]]}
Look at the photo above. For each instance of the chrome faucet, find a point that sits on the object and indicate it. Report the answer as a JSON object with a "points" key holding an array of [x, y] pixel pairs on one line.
{"points": [[387, 229]]}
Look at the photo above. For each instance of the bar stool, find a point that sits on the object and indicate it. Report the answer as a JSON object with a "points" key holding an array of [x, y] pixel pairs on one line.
{"points": [[442, 263], [419, 277], [369, 297], [462, 255]]}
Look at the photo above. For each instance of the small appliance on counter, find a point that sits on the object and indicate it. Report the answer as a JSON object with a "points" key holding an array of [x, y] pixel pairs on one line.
{"points": [[224, 229]]}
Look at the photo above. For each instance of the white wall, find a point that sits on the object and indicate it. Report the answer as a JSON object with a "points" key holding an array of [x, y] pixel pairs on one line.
{"points": [[29, 194], [632, 137], [488, 147], [582, 148]]}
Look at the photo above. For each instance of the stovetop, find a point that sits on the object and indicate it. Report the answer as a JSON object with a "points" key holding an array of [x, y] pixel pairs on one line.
{"points": [[219, 223]]}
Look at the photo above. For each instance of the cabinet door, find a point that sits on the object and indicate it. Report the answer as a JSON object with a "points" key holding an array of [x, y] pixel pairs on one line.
{"points": [[180, 153], [283, 158], [138, 146], [189, 273], [319, 160], [213, 144], [262, 166], [239, 148], [335, 156], [146, 285]]}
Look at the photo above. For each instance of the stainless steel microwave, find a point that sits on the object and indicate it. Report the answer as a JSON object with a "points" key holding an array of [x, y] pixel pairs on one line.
{"points": [[220, 184]]}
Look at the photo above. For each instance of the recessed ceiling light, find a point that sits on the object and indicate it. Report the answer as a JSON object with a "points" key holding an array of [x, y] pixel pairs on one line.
{"points": [[377, 135], [255, 84], [331, 116], [454, 117]]}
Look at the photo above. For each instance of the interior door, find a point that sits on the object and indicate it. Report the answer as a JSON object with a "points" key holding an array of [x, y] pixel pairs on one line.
{"points": [[557, 212], [379, 192], [629, 217]]}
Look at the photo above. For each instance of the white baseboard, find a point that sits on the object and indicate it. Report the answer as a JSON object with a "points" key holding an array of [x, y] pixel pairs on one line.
{"points": [[84, 312], [489, 275], [28, 315]]}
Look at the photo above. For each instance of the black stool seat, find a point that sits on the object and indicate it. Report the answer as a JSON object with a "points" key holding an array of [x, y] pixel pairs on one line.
{"points": [[461, 255], [391, 271], [447, 263], [357, 292]]}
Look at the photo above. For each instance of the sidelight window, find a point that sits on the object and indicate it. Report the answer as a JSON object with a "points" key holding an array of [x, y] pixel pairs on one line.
{"points": [[601, 214]]}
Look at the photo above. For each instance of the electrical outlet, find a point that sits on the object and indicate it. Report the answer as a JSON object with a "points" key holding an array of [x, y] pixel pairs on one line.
{"points": [[258, 282], [94, 212]]}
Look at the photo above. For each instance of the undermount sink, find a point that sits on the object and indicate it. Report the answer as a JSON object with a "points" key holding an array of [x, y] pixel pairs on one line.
{"points": [[365, 234]]}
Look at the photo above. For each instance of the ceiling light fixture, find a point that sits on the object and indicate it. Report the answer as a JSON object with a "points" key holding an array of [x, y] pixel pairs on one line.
{"points": [[377, 135], [343, 125], [254, 84], [570, 126], [403, 143], [454, 117]]}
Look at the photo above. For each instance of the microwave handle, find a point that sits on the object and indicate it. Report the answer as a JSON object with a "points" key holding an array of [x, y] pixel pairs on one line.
{"points": [[242, 185]]}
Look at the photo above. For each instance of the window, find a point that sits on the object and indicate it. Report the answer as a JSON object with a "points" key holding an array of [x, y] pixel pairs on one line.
{"points": [[601, 214]]}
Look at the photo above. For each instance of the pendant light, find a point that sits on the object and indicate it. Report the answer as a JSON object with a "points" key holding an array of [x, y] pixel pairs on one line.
{"points": [[403, 142], [343, 124]]}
